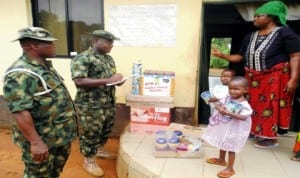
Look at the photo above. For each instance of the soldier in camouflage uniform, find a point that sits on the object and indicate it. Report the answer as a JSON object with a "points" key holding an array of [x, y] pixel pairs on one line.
{"points": [[91, 71], [44, 115]]}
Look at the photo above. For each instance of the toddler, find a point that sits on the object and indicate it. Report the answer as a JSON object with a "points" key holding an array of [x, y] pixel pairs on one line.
{"points": [[229, 125], [221, 90]]}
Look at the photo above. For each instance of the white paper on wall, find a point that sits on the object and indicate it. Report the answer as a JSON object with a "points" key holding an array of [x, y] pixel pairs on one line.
{"points": [[144, 25]]}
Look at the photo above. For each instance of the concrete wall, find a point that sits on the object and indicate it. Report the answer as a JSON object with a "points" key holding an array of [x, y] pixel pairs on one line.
{"points": [[14, 15], [182, 58]]}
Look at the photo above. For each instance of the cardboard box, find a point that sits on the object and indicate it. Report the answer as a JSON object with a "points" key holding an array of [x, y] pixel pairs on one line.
{"points": [[150, 115], [149, 101], [140, 128], [157, 83]]}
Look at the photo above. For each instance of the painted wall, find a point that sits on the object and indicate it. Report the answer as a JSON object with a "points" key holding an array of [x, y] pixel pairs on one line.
{"points": [[14, 15], [183, 58]]}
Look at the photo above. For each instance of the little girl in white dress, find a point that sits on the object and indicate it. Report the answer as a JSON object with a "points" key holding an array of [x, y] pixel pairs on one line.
{"points": [[229, 125]]}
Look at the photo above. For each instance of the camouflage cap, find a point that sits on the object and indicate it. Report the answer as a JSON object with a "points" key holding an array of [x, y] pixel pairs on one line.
{"points": [[105, 34], [35, 33]]}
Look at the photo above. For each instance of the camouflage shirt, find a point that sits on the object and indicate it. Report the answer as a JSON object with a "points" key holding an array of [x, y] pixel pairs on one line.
{"points": [[52, 111], [90, 64]]}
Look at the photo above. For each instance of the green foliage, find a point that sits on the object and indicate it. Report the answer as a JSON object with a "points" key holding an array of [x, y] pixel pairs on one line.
{"points": [[218, 63], [223, 44]]}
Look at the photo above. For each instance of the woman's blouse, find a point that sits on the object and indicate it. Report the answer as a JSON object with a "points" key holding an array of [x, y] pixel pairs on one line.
{"points": [[262, 52]]}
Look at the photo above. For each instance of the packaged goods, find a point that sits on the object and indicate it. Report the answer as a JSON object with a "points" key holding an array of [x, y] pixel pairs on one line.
{"points": [[157, 83], [137, 72]]}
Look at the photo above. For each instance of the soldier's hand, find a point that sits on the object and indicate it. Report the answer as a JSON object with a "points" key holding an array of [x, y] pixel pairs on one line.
{"points": [[116, 77], [39, 151]]}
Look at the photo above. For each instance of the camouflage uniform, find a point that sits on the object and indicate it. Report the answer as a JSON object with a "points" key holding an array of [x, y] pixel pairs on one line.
{"points": [[96, 105], [52, 111]]}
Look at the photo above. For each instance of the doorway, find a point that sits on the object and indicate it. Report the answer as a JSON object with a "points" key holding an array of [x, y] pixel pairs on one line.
{"points": [[223, 20]]}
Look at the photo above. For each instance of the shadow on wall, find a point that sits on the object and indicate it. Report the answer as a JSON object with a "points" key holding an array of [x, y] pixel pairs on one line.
{"points": [[5, 117], [184, 116]]}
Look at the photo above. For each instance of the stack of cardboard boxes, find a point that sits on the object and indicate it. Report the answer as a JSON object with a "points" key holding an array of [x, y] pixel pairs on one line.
{"points": [[150, 110]]}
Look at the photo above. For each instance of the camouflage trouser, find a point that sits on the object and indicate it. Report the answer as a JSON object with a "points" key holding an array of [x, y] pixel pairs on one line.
{"points": [[47, 169], [96, 124]]}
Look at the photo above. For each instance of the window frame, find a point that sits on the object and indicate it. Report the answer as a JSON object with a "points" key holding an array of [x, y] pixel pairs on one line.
{"points": [[69, 30]]}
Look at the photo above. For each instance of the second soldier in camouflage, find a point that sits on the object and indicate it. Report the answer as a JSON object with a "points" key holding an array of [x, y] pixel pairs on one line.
{"points": [[91, 71]]}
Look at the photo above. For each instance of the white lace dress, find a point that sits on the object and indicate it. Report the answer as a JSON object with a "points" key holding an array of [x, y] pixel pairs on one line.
{"points": [[229, 134]]}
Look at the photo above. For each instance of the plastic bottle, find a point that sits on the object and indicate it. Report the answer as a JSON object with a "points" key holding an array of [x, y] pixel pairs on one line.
{"points": [[137, 72]]}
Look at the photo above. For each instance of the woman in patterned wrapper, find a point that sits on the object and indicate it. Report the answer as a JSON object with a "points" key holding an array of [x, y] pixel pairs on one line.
{"points": [[272, 60], [228, 131]]}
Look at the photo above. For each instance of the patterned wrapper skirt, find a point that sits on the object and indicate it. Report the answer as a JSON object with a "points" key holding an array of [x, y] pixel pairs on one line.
{"points": [[272, 107]]}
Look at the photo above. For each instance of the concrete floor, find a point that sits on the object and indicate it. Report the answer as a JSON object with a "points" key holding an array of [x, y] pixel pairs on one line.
{"points": [[250, 163], [136, 160]]}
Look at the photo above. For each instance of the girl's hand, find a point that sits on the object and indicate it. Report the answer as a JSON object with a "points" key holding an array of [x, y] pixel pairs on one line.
{"points": [[222, 109], [213, 100]]}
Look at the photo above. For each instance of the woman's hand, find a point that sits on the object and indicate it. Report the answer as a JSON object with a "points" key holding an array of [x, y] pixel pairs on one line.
{"points": [[291, 86], [216, 52], [228, 57]]}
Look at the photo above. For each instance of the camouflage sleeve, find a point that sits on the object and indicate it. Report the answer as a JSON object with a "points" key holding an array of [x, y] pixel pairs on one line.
{"points": [[79, 66], [18, 91]]}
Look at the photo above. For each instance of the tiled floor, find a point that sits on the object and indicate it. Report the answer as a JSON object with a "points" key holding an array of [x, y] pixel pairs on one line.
{"points": [[136, 160]]}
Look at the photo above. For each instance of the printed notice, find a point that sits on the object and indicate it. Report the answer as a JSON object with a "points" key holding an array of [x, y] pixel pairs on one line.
{"points": [[144, 25]]}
